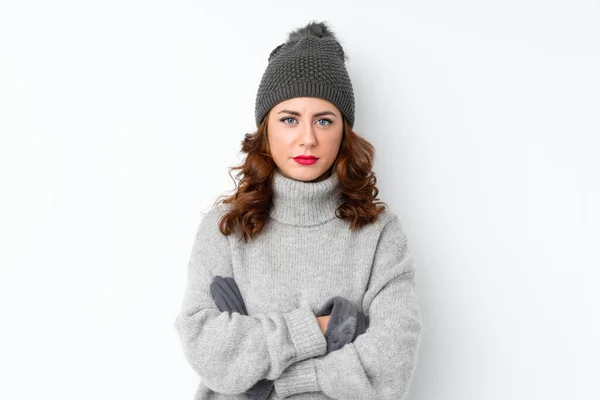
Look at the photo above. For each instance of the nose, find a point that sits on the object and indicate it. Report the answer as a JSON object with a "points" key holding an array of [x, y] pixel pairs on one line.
{"points": [[307, 136]]}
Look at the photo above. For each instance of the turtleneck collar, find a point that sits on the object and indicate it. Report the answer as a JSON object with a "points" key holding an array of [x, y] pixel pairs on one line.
{"points": [[304, 203]]}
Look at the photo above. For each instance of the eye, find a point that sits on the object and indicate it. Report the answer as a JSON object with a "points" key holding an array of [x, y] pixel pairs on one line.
{"points": [[286, 118], [325, 119]]}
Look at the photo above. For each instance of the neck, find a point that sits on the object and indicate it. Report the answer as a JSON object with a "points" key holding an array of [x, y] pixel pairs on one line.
{"points": [[304, 203]]}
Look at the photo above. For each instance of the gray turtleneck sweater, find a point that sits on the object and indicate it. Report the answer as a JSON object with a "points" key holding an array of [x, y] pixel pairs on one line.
{"points": [[303, 256]]}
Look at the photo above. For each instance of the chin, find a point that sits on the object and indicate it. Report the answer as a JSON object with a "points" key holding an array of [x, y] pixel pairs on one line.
{"points": [[304, 176], [315, 177]]}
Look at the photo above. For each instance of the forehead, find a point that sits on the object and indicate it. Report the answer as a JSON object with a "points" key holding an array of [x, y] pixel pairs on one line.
{"points": [[306, 103]]}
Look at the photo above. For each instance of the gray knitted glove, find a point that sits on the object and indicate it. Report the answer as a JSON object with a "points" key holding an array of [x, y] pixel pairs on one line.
{"points": [[227, 297], [345, 322]]}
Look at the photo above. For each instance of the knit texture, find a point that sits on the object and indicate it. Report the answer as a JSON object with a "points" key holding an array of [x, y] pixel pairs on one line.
{"points": [[304, 256], [312, 63]]}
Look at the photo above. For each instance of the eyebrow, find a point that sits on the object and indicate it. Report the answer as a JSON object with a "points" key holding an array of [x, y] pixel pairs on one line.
{"points": [[296, 113]]}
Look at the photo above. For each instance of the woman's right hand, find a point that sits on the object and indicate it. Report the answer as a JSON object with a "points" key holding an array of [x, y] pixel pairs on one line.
{"points": [[323, 321]]}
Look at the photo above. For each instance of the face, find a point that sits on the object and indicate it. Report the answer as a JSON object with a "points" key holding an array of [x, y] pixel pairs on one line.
{"points": [[305, 126]]}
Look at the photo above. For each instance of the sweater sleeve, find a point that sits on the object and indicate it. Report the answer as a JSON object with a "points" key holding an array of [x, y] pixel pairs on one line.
{"points": [[379, 364], [230, 351]]}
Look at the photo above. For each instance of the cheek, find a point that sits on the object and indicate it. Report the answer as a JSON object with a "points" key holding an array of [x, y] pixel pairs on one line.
{"points": [[281, 139], [332, 144], [279, 144]]}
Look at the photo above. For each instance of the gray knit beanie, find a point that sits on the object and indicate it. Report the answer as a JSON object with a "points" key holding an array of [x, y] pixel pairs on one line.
{"points": [[310, 64]]}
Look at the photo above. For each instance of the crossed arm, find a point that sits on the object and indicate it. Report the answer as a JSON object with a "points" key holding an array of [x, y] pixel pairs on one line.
{"points": [[231, 352], [338, 319]]}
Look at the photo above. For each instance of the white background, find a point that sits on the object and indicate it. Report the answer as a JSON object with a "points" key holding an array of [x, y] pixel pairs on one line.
{"points": [[119, 121]]}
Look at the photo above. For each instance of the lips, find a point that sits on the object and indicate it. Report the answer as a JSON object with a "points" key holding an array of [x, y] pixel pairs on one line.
{"points": [[305, 158]]}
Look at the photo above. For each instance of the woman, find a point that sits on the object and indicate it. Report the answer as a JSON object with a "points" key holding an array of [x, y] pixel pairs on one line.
{"points": [[303, 228]]}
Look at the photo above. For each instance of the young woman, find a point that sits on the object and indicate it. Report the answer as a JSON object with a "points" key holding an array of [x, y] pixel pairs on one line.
{"points": [[322, 300]]}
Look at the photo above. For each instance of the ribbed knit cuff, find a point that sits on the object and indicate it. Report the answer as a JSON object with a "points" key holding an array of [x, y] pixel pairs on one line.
{"points": [[300, 377], [306, 333]]}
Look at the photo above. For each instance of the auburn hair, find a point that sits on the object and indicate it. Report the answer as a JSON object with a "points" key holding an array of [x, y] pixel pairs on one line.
{"points": [[252, 200]]}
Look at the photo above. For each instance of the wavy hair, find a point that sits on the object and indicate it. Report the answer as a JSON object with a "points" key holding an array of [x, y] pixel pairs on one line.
{"points": [[252, 199]]}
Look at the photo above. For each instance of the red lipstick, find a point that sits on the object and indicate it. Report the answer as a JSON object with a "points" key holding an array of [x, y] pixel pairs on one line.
{"points": [[306, 160]]}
